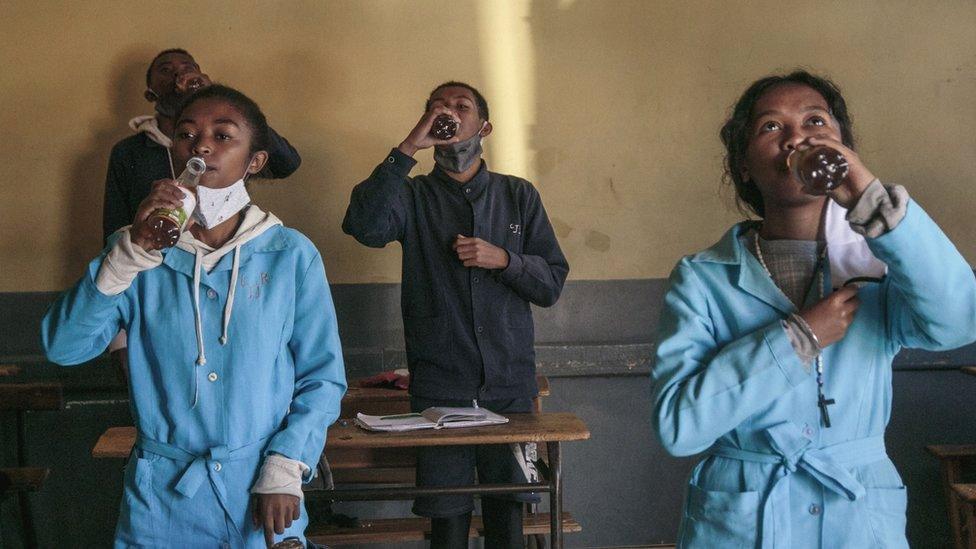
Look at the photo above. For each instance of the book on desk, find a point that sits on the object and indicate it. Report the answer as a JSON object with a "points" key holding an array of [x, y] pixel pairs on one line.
{"points": [[438, 417]]}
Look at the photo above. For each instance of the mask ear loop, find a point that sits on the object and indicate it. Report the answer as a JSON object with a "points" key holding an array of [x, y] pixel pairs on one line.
{"points": [[246, 172]]}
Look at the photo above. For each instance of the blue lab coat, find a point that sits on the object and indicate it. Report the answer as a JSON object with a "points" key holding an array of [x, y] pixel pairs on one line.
{"points": [[727, 382], [275, 386]]}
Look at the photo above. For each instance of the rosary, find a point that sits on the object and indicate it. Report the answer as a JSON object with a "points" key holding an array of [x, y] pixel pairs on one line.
{"points": [[822, 400]]}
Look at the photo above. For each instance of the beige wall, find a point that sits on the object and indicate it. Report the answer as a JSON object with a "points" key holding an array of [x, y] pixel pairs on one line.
{"points": [[611, 108]]}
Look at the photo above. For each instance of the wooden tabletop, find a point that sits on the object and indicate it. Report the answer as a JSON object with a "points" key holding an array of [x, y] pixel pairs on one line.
{"points": [[545, 427], [117, 442]]}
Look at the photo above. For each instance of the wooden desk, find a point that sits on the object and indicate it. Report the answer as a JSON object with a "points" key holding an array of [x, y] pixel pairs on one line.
{"points": [[550, 428], [378, 402]]}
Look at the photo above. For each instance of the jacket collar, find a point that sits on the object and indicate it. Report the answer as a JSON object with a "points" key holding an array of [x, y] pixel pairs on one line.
{"points": [[470, 190], [752, 277]]}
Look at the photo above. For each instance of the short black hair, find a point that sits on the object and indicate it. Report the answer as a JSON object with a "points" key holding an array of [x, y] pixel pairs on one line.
{"points": [[735, 132], [160, 54], [478, 98], [250, 110]]}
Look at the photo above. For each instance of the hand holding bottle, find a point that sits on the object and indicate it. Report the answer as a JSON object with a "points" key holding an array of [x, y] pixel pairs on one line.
{"points": [[420, 136], [165, 195], [824, 165], [161, 227]]}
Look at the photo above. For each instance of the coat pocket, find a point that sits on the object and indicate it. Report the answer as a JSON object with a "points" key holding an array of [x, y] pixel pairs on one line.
{"points": [[136, 520], [720, 519], [886, 508]]}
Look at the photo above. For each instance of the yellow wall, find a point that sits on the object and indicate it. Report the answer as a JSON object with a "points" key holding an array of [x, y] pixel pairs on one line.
{"points": [[611, 108]]}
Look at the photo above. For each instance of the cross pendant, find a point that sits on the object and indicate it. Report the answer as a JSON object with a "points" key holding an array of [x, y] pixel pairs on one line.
{"points": [[823, 402]]}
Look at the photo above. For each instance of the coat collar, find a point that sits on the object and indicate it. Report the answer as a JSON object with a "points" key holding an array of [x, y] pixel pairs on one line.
{"points": [[470, 190], [752, 277]]}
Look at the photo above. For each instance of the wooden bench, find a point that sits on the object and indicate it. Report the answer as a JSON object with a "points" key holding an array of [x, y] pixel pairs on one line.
{"points": [[418, 529], [951, 458], [23, 398]]}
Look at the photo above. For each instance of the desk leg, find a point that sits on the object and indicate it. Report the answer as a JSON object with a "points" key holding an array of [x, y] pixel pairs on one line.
{"points": [[555, 496], [26, 518]]}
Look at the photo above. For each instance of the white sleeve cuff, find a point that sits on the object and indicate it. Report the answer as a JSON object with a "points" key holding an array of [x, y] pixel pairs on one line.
{"points": [[123, 263], [280, 475]]}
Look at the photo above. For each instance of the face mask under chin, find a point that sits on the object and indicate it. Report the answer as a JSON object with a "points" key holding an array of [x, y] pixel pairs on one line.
{"points": [[458, 157], [214, 206]]}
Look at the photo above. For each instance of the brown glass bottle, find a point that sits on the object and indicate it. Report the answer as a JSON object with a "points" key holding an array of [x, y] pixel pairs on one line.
{"points": [[819, 169], [166, 224], [444, 127]]}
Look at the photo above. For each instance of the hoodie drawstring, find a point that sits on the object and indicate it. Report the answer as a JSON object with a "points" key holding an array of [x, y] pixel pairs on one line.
{"points": [[229, 307], [169, 155], [201, 356], [228, 311]]}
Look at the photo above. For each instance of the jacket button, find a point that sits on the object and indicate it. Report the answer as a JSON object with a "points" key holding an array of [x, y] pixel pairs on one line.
{"points": [[212, 376], [476, 279], [217, 466], [815, 509], [481, 329], [212, 294], [390, 159]]}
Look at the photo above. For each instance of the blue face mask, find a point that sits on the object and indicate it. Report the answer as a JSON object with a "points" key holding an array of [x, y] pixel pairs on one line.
{"points": [[458, 157]]}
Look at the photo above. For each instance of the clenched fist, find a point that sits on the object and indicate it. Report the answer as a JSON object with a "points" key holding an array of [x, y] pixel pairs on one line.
{"points": [[475, 252]]}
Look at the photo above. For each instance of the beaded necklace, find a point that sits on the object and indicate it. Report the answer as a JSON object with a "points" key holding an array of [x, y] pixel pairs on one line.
{"points": [[822, 400]]}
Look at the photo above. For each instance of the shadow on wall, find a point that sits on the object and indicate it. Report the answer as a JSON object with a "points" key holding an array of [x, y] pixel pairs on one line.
{"points": [[85, 173]]}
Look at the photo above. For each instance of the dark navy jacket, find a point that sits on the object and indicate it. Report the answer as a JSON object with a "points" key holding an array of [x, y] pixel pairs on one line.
{"points": [[468, 331], [137, 161]]}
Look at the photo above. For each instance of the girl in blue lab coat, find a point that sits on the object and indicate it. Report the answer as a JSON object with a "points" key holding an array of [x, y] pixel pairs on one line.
{"points": [[774, 368], [235, 361]]}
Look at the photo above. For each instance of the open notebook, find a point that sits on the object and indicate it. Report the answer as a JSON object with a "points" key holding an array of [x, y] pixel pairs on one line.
{"points": [[431, 418]]}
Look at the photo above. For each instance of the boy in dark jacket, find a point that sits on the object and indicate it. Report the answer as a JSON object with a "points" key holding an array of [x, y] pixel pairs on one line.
{"points": [[478, 249]]}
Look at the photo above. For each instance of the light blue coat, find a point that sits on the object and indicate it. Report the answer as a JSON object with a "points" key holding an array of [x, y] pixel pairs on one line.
{"points": [[728, 382], [275, 386]]}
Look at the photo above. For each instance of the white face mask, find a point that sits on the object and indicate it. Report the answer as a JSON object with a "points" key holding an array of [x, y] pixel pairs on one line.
{"points": [[214, 206]]}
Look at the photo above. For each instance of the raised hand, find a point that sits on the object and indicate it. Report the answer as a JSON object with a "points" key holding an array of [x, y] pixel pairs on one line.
{"points": [[164, 194], [420, 137]]}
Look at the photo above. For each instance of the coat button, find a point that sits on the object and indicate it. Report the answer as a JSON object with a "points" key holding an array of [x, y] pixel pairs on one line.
{"points": [[481, 329], [217, 466], [476, 279], [212, 376], [390, 159], [815, 509], [212, 294]]}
